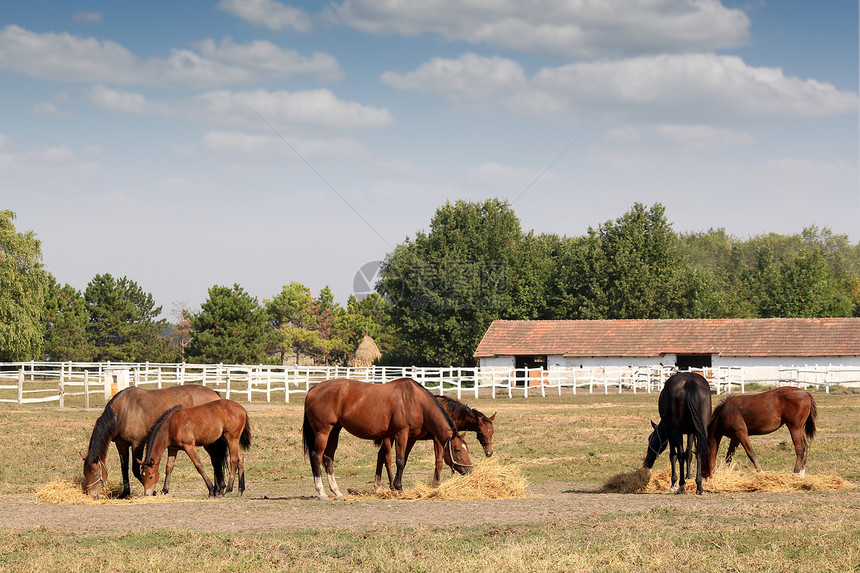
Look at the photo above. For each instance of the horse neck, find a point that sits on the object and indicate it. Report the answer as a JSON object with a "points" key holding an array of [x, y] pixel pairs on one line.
{"points": [[440, 424], [104, 431], [158, 444]]}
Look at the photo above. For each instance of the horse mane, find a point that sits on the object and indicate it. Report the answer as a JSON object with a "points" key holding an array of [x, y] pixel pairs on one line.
{"points": [[154, 431], [103, 432], [455, 406], [438, 405]]}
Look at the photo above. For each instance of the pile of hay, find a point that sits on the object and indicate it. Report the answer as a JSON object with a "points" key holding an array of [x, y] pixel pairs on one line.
{"points": [[62, 491], [726, 479], [490, 479]]}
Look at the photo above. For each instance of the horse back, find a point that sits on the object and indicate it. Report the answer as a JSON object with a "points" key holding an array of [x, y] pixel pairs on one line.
{"points": [[137, 409]]}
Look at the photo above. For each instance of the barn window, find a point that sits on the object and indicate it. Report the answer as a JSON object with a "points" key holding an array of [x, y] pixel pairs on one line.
{"points": [[686, 361]]}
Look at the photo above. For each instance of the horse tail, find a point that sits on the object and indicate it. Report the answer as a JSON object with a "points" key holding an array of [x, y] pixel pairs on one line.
{"points": [[219, 453], [700, 430], [245, 438], [809, 427], [309, 438]]}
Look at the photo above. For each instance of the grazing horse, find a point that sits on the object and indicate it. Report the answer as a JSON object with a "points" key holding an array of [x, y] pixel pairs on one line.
{"points": [[744, 415], [126, 421], [401, 410], [221, 426], [685, 408], [465, 419]]}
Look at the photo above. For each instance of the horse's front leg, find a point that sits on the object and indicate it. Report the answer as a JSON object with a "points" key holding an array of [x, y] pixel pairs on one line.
{"points": [[328, 461], [123, 451], [730, 453], [678, 445], [439, 452], [745, 442], [403, 445], [137, 454], [689, 456], [168, 469], [673, 458]]}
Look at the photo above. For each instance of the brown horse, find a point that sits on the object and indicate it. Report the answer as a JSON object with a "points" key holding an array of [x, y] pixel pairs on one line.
{"points": [[685, 408], [745, 415], [402, 410], [221, 427], [126, 421], [465, 419]]}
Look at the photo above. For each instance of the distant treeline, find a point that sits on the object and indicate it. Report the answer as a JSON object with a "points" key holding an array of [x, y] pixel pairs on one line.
{"points": [[438, 292]]}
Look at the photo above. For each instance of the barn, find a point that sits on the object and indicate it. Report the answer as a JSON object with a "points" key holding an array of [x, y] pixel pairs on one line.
{"points": [[762, 347]]}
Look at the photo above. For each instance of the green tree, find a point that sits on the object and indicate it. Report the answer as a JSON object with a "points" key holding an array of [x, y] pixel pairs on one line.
{"points": [[123, 321], [292, 322], [629, 268], [446, 286], [22, 292], [231, 328], [66, 319]]}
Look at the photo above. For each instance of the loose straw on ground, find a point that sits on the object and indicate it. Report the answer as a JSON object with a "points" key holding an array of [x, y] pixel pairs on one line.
{"points": [[726, 479], [490, 479], [61, 491]]}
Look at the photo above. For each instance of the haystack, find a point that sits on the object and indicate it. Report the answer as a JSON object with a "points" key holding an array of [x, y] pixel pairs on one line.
{"points": [[366, 353], [489, 480], [726, 479]]}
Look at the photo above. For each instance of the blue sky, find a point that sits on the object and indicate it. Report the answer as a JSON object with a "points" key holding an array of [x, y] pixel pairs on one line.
{"points": [[189, 144]]}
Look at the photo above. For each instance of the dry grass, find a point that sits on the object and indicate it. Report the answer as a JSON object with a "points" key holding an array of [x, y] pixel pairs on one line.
{"points": [[62, 491], [489, 480], [726, 479]]}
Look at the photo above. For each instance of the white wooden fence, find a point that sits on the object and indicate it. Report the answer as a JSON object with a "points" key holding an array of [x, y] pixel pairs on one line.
{"points": [[39, 382]]}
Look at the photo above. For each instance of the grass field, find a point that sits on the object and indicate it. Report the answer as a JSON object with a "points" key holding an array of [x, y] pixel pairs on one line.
{"points": [[567, 446]]}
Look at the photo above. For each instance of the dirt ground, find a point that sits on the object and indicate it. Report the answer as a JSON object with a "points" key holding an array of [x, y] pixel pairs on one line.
{"points": [[554, 502]]}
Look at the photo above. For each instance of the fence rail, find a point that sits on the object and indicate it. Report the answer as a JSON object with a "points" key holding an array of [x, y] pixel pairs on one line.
{"points": [[91, 384]]}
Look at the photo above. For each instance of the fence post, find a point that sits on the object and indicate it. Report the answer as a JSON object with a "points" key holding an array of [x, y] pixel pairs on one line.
{"points": [[21, 384], [86, 388], [61, 393]]}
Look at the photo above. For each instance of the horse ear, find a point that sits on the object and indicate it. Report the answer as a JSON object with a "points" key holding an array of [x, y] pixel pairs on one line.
{"points": [[493, 417], [139, 462], [83, 457], [653, 425]]}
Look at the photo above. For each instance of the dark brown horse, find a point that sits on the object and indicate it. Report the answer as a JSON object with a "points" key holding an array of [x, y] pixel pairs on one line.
{"points": [[222, 427], [465, 419], [401, 410], [744, 415], [685, 408], [126, 421]]}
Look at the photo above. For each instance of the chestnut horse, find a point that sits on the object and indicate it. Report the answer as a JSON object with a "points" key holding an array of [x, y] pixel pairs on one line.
{"points": [[465, 419], [126, 421], [685, 408], [744, 415], [221, 426], [401, 410]]}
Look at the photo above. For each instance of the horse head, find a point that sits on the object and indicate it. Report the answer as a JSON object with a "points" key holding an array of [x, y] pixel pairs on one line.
{"points": [[95, 476], [148, 475], [456, 454], [657, 442], [485, 432]]}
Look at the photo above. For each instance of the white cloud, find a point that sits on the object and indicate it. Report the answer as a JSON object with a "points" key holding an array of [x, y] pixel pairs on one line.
{"points": [[695, 136], [507, 175], [49, 109], [270, 59], [558, 27], [89, 17], [125, 102], [695, 88], [267, 13], [269, 146], [63, 57], [57, 161], [283, 109]]}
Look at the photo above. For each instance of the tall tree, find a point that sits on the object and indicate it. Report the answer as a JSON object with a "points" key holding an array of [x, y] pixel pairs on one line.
{"points": [[23, 285], [446, 286], [231, 328], [66, 319], [123, 321]]}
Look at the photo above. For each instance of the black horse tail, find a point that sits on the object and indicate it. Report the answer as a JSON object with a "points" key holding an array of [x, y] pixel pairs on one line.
{"points": [[700, 430], [245, 438], [809, 427], [309, 439], [219, 453]]}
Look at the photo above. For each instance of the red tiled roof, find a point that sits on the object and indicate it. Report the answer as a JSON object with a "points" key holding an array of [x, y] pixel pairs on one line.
{"points": [[637, 338]]}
